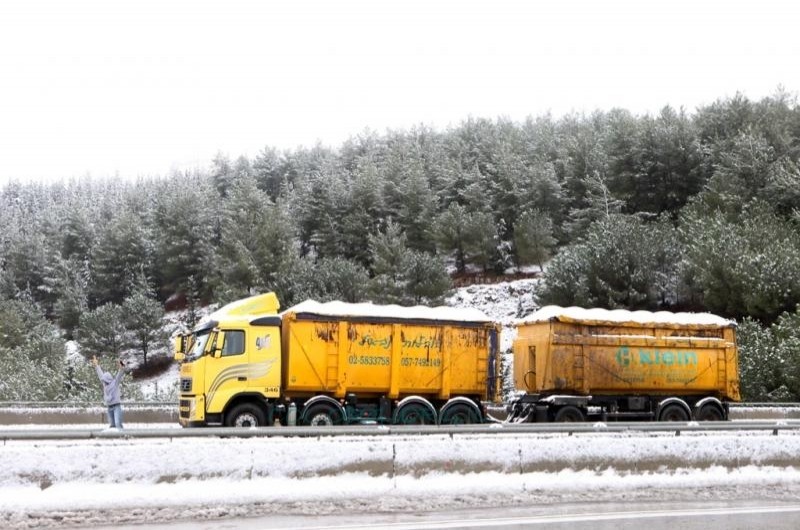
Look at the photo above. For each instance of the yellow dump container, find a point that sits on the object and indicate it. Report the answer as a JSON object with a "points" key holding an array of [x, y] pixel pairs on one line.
{"points": [[595, 351], [391, 351]]}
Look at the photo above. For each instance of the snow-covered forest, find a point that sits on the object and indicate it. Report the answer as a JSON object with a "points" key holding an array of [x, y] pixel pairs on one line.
{"points": [[678, 211]]}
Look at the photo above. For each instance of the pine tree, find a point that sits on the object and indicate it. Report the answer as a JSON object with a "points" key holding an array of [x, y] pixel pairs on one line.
{"points": [[668, 163], [761, 369], [416, 207], [747, 267], [482, 240], [533, 239], [598, 204], [313, 206], [388, 250], [77, 235], [242, 220], [276, 243], [102, 331], [268, 171], [124, 246], [222, 174], [143, 317], [187, 227], [26, 259], [71, 290], [452, 234], [426, 280], [358, 210], [323, 280], [31, 353], [621, 263]]}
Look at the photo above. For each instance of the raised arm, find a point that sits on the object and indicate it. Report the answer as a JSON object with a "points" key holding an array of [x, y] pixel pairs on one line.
{"points": [[97, 368], [120, 372]]}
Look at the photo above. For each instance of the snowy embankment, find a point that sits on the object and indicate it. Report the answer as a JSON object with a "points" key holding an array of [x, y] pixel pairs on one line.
{"points": [[502, 302], [179, 473]]}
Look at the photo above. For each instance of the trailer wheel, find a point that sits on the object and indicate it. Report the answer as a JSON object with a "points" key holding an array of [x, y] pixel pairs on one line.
{"points": [[459, 414], [569, 414], [415, 414], [673, 413], [245, 415], [709, 412], [322, 415]]}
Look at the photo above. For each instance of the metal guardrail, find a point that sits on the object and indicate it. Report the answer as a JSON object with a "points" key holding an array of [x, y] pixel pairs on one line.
{"points": [[82, 404], [765, 404], [675, 428], [40, 404], [73, 414]]}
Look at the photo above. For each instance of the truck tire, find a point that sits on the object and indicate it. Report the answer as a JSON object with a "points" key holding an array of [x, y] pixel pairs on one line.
{"points": [[415, 414], [245, 415], [569, 414], [459, 414], [322, 415], [673, 413], [709, 412]]}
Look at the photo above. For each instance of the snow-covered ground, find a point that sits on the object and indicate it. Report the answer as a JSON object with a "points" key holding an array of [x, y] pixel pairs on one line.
{"points": [[50, 483]]}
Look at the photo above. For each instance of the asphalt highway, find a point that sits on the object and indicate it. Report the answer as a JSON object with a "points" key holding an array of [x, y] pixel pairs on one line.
{"points": [[669, 515]]}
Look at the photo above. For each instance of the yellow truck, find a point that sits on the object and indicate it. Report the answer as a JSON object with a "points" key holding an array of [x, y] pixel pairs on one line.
{"points": [[577, 364], [337, 363]]}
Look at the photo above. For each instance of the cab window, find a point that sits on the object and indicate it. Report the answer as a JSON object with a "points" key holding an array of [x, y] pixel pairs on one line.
{"points": [[233, 343]]}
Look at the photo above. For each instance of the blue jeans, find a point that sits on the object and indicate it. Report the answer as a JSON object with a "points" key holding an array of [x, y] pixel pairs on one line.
{"points": [[115, 416]]}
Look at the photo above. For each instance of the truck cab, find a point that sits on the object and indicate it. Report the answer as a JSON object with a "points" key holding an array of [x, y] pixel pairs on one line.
{"points": [[231, 360]]}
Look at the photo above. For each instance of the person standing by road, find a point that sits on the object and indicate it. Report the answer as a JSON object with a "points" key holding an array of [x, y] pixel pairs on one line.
{"points": [[111, 392]]}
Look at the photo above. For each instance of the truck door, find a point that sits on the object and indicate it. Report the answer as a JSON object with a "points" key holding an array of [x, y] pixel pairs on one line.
{"points": [[226, 369]]}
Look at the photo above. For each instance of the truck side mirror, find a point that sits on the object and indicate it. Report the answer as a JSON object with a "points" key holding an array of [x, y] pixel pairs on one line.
{"points": [[217, 344], [180, 348]]}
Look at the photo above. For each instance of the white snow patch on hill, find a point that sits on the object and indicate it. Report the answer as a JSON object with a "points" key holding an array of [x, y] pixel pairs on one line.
{"points": [[503, 302]]}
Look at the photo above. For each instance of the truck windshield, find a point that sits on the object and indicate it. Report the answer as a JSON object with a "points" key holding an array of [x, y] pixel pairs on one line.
{"points": [[198, 345]]}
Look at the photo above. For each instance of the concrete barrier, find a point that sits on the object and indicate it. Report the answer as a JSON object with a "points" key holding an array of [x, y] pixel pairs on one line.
{"points": [[84, 415], [160, 413], [167, 460]]}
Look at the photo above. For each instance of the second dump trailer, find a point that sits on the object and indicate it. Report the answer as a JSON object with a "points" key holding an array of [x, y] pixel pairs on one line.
{"points": [[577, 364]]}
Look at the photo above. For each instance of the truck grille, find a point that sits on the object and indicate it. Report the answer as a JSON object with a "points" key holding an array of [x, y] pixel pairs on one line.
{"points": [[184, 408], [186, 384]]}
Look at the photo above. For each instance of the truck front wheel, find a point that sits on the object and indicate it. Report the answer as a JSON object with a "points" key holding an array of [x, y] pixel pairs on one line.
{"points": [[245, 415]]}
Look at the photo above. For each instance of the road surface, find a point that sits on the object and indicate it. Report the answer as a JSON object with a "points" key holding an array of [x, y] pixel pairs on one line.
{"points": [[667, 515]]}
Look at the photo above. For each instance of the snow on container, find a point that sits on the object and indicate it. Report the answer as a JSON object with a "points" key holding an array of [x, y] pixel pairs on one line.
{"points": [[337, 348]]}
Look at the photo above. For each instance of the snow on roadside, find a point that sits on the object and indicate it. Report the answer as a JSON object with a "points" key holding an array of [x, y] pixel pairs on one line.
{"points": [[186, 475], [45, 463], [419, 494]]}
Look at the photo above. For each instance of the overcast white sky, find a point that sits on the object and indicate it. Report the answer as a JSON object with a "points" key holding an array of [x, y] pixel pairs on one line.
{"points": [[137, 87]]}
